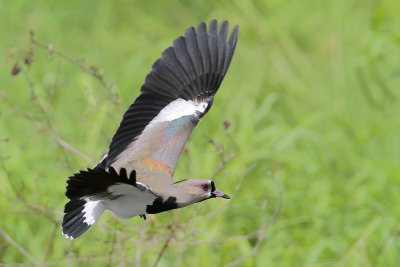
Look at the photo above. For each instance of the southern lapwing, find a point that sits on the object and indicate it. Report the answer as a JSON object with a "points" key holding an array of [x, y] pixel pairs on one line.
{"points": [[135, 177]]}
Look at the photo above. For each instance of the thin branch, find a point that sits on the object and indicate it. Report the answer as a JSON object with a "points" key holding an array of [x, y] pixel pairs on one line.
{"points": [[138, 256], [17, 186], [39, 209], [46, 116], [64, 144], [50, 243], [262, 230], [30, 85], [222, 153], [113, 244], [66, 262], [260, 237], [14, 243], [164, 247], [224, 240], [91, 70]]}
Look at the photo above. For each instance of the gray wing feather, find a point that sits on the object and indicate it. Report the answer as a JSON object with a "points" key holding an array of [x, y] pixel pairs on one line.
{"points": [[191, 70]]}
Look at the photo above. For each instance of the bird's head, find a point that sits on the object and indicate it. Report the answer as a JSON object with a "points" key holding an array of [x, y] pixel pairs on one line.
{"points": [[190, 191]]}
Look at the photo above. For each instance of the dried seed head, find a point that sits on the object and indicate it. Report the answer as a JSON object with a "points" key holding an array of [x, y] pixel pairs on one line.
{"points": [[50, 48], [16, 69], [227, 124], [29, 58]]}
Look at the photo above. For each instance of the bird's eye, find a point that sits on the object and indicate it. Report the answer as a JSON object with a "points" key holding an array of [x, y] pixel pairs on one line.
{"points": [[205, 187]]}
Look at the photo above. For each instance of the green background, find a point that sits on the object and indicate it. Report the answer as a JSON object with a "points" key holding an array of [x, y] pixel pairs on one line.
{"points": [[311, 158]]}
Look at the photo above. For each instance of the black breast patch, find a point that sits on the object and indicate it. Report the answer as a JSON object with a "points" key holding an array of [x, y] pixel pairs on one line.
{"points": [[159, 205]]}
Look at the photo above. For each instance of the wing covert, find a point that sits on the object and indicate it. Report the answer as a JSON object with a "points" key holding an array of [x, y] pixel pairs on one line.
{"points": [[176, 93]]}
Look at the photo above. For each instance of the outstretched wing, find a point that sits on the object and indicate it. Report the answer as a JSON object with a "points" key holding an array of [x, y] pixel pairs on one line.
{"points": [[177, 92]]}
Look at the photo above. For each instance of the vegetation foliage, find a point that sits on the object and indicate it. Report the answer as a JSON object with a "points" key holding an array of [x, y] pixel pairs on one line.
{"points": [[303, 134]]}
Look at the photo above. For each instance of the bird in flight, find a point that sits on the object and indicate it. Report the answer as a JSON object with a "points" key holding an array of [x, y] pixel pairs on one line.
{"points": [[135, 177]]}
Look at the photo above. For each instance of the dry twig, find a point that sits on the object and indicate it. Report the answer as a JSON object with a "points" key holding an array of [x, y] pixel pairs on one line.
{"points": [[20, 249], [164, 247], [91, 70]]}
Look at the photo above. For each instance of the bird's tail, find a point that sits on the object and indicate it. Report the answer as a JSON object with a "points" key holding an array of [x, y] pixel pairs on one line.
{"points": [[88, 197], [87, 201], [79, 215]]}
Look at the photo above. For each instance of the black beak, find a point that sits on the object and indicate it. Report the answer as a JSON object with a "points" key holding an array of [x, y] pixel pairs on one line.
{"points": [[217, 193]]}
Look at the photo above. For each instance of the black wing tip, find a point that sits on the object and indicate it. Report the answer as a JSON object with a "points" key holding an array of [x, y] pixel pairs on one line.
{"points": [[73, 223], [235, 33], [186, 70], [202, 26], [224, 26], [189, 31], [190, 74]]}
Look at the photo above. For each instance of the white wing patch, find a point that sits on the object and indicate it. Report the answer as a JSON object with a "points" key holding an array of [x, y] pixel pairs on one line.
{"points": [[92, 211], [179, 108], [149, 142]]}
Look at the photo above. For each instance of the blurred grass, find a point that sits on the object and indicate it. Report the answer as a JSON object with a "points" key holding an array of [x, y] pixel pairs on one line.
{"points": [[313, 102]]}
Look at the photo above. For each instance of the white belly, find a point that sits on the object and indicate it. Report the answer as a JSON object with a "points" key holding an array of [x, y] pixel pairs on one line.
{"points": [[129, 201]]}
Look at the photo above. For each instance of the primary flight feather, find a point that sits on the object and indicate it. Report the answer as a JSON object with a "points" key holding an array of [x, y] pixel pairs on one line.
{"points": [[136, 175]]}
